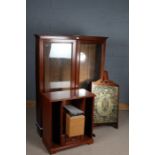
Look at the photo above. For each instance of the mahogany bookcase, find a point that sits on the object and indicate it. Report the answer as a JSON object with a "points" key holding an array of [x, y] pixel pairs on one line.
{"points": [[75, 73], [65, 68]]}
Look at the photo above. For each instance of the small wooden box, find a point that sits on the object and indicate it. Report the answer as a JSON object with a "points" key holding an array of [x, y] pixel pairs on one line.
{"points": [[75, 125]]}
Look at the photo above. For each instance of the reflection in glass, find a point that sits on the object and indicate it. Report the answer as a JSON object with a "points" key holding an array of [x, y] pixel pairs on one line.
{"points": [[82, 57], [90, 61], [60, 50], [57, 65]]}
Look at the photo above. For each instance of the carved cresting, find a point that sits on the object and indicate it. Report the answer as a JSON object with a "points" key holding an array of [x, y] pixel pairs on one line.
{"points": [[106, 103]]}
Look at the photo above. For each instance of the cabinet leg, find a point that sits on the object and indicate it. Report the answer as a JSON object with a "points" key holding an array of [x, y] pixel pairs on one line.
{"points": [[115, 125], [90, 142], [53, 151], [93, 135], [39, 131]]}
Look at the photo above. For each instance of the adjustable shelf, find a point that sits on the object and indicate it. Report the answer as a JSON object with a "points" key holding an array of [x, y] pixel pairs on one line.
{"points": [[54, 118]]}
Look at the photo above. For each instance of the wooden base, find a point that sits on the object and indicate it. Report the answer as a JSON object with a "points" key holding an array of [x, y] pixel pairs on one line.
{"points": [[56, 148]]}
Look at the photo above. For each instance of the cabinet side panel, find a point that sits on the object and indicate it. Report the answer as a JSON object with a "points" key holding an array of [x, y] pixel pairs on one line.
{"points": [[47, 123], [38, 100]]}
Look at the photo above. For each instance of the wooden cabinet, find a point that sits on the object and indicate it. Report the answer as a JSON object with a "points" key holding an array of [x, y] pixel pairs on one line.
{"points": [[66, 62], [54, 118], [66, 66]]}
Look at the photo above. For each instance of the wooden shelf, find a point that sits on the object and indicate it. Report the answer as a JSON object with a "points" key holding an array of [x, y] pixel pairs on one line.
{"points": [[54, 118], [55, 148], [68, 94]]}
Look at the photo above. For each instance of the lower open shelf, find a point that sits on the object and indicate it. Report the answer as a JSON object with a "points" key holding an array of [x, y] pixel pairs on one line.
{"points": [[55, 126], [55, 147]]}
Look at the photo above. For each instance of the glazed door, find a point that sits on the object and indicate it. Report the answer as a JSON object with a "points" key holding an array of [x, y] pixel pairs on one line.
{"points": [[59, 64], [91, 62]]}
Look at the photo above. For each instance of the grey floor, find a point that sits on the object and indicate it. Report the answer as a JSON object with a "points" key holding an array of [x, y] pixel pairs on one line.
{"points": [[108, 141]]}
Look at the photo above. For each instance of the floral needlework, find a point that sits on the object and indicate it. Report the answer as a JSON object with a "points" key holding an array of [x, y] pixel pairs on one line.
{"points": [[106, 103]]}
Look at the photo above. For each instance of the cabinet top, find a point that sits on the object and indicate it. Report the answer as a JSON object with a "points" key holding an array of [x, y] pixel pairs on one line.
{"points": [[67, 95], [75, 37]]}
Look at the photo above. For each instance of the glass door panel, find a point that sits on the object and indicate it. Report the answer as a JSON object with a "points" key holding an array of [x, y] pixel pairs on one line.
{"points": [[90, 64], [57, 62]]}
